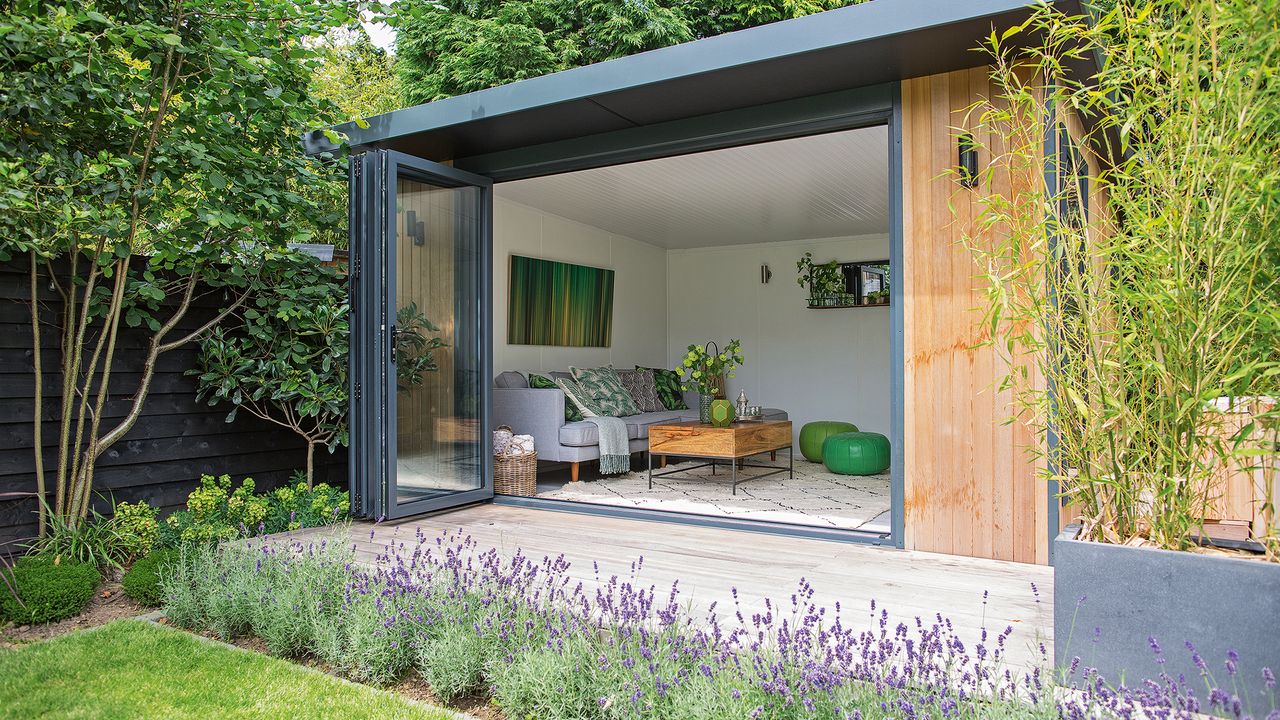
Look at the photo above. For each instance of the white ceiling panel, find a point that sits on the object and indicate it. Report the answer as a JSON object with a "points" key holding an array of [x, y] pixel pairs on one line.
{"points": [[812, 187]]}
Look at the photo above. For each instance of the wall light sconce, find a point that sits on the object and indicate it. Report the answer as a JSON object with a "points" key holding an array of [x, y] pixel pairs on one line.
{"points": [[968, 167], [765, 274], [415, 228]]}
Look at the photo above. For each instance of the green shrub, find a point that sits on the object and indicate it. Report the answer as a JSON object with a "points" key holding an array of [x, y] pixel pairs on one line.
{"points": [[215, 512], [142, 581], [49, 588]]}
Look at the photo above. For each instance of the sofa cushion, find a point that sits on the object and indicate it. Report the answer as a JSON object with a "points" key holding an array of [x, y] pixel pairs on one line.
{"points": [[542, 382], [579, 434], [587, 434], [642, 388], [574, 393], [606, 391], [638, 425], [511, 379], [668, 384]]}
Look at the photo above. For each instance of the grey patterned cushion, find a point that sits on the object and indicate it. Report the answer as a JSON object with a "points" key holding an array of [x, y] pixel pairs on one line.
{"points": [[574, 393], [642, 388], [606, 391], [511, 379]]}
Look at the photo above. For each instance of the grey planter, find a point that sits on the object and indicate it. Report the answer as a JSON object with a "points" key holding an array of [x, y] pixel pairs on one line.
{"points": [[1134, 594]]}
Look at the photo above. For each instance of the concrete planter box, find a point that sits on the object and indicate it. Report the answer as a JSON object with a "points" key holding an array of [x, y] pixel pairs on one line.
{"points": [[1133, 594]]}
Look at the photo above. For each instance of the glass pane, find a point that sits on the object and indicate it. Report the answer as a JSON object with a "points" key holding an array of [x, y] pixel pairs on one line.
{"points": [[437, 261]]}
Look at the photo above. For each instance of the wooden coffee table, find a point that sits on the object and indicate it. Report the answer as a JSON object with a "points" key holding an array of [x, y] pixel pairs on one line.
{"points": [[734, 443]]}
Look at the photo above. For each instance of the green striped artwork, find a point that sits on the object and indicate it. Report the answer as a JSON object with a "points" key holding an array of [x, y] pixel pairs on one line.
{"points": [[557, 303]]}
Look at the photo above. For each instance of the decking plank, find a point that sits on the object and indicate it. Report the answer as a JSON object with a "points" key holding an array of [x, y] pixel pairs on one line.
{"points": [[708, 562]]}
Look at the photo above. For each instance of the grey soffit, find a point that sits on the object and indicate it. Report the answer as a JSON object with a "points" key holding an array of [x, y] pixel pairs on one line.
{"points": [[865, 44], [832, 185]]}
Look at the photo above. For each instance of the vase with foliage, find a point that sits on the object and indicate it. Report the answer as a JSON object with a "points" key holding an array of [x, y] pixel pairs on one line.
{"points": [[825, 281], [704, 368]]}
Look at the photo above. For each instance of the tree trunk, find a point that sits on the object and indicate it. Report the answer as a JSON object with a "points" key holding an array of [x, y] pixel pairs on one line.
{"points": [[311, 458]]}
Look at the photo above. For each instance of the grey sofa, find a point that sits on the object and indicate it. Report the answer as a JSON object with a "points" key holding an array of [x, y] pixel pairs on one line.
{"points": [[540, 412]]}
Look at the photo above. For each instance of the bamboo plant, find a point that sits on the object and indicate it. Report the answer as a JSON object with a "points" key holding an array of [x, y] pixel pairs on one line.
{"points": [[1137, 294]]}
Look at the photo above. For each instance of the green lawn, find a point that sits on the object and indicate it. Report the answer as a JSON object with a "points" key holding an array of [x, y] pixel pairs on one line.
{"points": [[133, 669]]}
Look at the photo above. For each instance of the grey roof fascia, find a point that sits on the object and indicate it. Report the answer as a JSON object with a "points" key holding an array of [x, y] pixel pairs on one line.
{"points": [[866, 22]]}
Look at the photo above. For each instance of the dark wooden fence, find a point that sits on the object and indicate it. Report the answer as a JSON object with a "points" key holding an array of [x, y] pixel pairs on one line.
{"points": [[174, 441]]}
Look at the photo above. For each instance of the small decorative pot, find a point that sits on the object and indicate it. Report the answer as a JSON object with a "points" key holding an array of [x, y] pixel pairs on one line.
{"points": [[722, 413], [704, 407]]}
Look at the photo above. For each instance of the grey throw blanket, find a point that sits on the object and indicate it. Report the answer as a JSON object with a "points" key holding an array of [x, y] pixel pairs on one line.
{"points": [[615, 452]]}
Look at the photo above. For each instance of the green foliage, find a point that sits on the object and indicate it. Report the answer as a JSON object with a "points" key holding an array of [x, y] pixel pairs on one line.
{"points": [[48, 587], [1162, 308], [153, 146], [823, 279], [702, 369], [138, 527], [414, 349], [142, 581], [215, 512], [359, 80], [284, 359], [449, 48], [97, 540]]}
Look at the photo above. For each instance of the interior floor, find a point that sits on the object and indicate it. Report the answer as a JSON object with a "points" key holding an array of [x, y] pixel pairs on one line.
{"points": [[814, 497]]}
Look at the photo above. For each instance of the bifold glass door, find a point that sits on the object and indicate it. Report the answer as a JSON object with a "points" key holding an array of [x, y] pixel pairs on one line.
{"points": [[427, 417]]}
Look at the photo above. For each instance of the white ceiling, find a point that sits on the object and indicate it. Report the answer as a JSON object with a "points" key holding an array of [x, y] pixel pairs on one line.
{"points": [[811, 187]]}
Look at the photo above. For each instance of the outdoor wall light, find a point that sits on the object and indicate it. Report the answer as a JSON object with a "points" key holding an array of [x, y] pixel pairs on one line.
{"points": [[968, 161], [415, 228]]}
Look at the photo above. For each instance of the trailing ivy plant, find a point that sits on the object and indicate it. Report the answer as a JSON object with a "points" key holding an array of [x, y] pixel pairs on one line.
{"points": [[1128, 325], [149, 167]]}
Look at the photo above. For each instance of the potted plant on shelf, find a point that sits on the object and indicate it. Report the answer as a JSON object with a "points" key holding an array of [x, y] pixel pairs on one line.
{"points": [[878, 297], [704, 368], [1142, 340], [825, 282]]}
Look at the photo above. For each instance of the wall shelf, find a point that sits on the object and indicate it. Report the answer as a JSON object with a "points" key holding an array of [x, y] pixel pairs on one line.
{"points": [[858, 305]]}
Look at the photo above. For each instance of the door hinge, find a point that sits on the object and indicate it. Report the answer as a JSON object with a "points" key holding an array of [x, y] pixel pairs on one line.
{"points": [[356, 391], [357, 167], [355, 268]]}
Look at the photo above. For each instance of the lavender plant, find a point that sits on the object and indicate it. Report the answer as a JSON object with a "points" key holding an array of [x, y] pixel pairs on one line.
{"points": [[542, 644]]}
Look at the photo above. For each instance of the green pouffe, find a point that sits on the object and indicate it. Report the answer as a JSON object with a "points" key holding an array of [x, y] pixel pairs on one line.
{"points": [[856, 453], [813, 434]]}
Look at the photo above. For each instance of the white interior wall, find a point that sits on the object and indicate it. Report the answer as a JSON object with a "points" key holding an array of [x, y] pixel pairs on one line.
{"points": [[639, 296], [815, 364]]}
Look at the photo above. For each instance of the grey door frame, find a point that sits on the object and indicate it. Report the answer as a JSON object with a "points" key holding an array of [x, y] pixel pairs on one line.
{"points": [[372, 289], [831, 112]]}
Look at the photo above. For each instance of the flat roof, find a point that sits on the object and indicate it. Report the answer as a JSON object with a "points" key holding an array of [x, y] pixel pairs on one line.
{"points": [[856, 46]]}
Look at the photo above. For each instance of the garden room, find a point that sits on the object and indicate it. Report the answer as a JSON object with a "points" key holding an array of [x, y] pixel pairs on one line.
{"points": [[634, 277]]}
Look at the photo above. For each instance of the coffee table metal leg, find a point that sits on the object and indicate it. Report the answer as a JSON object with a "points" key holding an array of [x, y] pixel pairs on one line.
{"points": [[649, 455], [791, 462], [733, 475]]}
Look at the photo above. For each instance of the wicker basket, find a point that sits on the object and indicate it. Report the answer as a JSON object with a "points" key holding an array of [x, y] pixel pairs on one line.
{"points": [[515, 474]]}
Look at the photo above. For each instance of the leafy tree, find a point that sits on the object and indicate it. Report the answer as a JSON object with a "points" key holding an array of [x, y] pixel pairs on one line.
{"points": [[358, 79], [284, 358], [453, 47], [149, 158]]}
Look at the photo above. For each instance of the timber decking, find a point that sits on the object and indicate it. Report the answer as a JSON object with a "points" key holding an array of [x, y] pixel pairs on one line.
{"points": [[709, 562]]}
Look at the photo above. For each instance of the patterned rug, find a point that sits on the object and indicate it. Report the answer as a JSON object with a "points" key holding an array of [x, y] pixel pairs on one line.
{"points": [[813, 497]]}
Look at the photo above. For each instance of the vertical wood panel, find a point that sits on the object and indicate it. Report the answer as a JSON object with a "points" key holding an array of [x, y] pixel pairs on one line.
{"points": [[970, 486]]}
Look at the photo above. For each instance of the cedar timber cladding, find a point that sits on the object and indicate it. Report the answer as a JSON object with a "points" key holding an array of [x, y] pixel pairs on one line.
{"points": [[970, 486], [174, 441]]}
